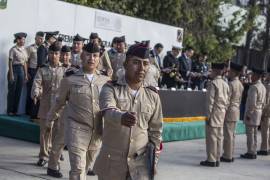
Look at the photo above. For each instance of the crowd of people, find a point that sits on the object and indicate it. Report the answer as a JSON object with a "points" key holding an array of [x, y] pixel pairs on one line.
{"points": [[97, 94]]}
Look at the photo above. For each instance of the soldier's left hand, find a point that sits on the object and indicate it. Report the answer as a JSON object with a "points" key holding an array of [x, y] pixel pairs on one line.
{"points": [[26, 78]]}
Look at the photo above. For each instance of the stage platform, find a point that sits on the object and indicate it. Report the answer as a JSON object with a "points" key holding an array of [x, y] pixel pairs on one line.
{"points": [[175, 129]]}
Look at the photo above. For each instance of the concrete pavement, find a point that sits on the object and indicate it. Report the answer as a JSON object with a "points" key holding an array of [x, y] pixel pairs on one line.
{"points": [[179, 161]]}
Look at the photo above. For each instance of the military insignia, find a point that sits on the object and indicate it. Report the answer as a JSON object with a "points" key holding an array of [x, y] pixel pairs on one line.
{"points": [[152, 88]]}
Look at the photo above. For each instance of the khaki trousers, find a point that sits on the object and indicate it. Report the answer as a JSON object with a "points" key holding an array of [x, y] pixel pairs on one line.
{"points": [[251, 132], [265, 125], [58, 144], [214, 136], [45, 139], [79, 154], [229, 139]]}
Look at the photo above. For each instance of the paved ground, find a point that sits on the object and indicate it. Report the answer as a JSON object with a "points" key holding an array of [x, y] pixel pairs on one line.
{"points": [[179, 161]]}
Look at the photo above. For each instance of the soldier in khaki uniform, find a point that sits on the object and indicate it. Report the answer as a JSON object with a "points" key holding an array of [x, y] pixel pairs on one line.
{"points": [[80, 92], [77, 47], [217, 103], [232, 113], [132, 119], [117, 59], [58, 141], [65, 56], [31, 108], [17, 73], [265, 121], [253, 113], [45, 85]]}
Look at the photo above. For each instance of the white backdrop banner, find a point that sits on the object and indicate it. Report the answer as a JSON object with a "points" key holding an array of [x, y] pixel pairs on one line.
{"points": [[31, 16]]}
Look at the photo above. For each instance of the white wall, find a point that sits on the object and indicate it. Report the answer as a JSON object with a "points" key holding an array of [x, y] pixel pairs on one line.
{"points": [[50, 15]]}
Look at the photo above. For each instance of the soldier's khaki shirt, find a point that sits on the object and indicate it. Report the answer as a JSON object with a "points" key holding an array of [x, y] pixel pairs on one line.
{"points": [[255, 103], [117, 63], [217, 101], [45, 85], [105, 63], [82, 97], [235, 96], [152, 76], [18, 55], [32, 56], [266, 109], [121, 143]]}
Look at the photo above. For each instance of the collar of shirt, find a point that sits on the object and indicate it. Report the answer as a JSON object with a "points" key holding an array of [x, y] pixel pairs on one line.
{"points": [[20, 48], [123, 82], [218, 77], [90, 77]]}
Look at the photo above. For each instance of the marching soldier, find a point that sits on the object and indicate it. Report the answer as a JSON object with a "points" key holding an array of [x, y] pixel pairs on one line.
{"points": [[81, 91], [45, 84], [217, 103], [232, 113], [65, 56], [253, 113], [105, 66], [42, 51], [58, 140], [132, 122], [31, 108], [117, 60], [265, 121], [77, 48], [17, 73]]}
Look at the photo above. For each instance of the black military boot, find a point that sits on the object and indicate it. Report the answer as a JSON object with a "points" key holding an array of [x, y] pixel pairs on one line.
{"points": [[91, 172], [222, 159], [263, 153], [208, 163], [248, 156], [42, 162], [54, 173]]}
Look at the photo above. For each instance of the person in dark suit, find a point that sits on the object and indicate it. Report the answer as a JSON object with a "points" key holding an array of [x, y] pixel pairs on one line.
{"points": [[185, 64], [170, 68], [200, 72], [155, 53], [42, 51]]}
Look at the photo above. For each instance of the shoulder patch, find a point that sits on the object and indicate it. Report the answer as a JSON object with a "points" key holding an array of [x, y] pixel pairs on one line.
{"points": [[113, 83], [70, 71], [152, 88]]}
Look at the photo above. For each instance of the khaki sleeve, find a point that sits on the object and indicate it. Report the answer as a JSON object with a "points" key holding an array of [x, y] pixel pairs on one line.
{"points": [[11, 54], [251, 99], [106, 60], [267, 101], [28, 51], [155, 124], [62, 97], [36, 90], [210, 97], [107, 104], [230, 93]]}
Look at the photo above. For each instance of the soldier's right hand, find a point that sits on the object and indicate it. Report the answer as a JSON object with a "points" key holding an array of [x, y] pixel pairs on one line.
{"points": [[129, 119]]}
